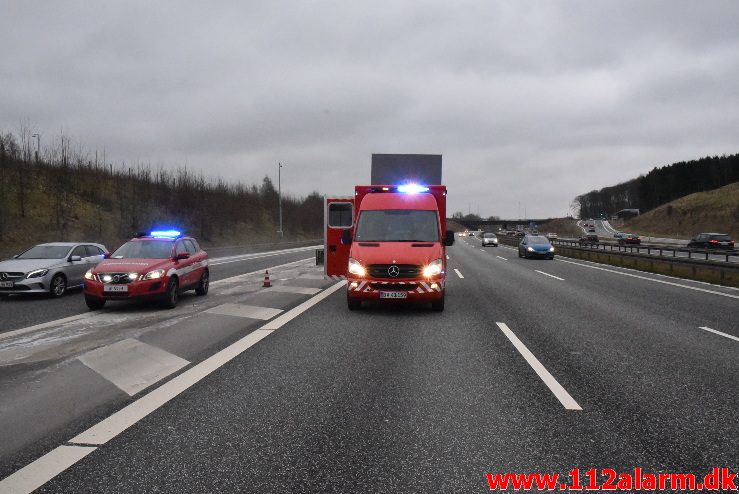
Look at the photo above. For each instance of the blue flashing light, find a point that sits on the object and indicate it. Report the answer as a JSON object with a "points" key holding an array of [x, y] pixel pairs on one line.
{"points": [[412, 188], [165, 233]]}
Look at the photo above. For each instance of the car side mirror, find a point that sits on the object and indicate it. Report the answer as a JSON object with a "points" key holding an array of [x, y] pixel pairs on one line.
{"points": [[75, 258], [346, 237], [181, 256], [449, 238], [106, 255]]}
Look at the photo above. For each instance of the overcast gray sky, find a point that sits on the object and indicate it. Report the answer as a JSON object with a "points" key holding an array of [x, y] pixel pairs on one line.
{"points": [[530, 102]]}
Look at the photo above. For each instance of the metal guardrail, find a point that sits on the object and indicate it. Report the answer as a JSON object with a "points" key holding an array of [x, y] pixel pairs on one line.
{"points": [[260, 247], [729, 256]]}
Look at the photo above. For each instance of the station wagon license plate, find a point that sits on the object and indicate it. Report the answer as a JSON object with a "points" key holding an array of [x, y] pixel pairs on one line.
{"points": [[115, 288], [6, 284], [393, 294]]}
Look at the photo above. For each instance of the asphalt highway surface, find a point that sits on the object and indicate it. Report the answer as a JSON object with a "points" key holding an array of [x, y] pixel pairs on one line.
{"points": [[534, 366]]}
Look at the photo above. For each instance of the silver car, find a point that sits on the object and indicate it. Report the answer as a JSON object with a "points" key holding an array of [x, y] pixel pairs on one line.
{"points": [[489, 239], [49, 268]]}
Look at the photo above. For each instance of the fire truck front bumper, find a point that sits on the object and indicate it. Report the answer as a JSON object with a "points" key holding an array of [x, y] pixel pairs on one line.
{"points": [[421, 290]]}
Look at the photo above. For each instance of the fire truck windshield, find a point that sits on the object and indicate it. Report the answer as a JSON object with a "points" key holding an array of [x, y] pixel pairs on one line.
{"points": [[397, 225]]}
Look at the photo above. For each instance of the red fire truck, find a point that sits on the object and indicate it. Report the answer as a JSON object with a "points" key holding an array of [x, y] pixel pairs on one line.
{"points": [[389, 241]]}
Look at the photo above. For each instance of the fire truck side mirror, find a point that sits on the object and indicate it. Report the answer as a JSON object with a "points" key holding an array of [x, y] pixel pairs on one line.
{"points": [[449, 238], [346, 237]]}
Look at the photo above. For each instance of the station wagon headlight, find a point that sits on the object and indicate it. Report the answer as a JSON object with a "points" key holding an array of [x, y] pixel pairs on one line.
{"points": [[133, 276], [356, 269], [89, 275], [153, 275], [433, 268], [38, 273]]}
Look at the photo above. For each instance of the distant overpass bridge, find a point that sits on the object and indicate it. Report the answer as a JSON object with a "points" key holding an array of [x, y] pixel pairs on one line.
{"points": [[494, 225]]}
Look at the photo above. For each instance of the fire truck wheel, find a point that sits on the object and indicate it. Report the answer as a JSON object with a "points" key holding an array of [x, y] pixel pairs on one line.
{"points": [[438, 305], [353, 304]]}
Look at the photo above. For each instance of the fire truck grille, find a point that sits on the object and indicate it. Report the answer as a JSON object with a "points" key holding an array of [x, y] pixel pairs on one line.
{"points": [[403, 270]]}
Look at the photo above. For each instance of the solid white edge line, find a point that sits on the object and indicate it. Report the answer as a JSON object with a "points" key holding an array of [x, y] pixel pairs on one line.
{"points": [[559, 392], [39, 472], [718, 332], [280, 321], [713, 292], [458, 273], [550, 275]]}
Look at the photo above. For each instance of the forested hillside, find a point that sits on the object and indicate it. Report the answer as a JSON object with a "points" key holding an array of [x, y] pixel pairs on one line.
{"points": [[67, 194], [660, 186]]}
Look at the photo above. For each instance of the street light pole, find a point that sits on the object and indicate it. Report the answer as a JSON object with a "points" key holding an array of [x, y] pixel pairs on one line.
{"points": [[279, 195], [38, 145]]}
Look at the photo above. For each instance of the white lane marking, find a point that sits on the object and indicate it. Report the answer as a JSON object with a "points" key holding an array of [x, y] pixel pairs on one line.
{"points": [[292, 289], [561, 393], [241, 310], [110, 427], [458, 273], [501, 258], [719, 333], [447, 257], [132, 365], [39, 472], [238, 277], [713, 292], [550, 275], [482, 249], [45, 325], [252, 257], [293, 313]]}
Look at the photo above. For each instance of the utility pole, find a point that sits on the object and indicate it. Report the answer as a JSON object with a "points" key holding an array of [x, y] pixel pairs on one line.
{"points": [[279, 195], [38, 145]]}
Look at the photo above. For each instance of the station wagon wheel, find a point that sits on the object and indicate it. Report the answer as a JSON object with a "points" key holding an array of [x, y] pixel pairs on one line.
{"points": [[58, 285], [173, 293], [204, 284]]}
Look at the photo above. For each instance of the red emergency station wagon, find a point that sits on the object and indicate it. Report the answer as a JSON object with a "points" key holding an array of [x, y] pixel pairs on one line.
{"points": [[159, 265], [389, 242]]}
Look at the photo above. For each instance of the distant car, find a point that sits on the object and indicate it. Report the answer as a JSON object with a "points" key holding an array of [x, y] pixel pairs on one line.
{"points": [[519, 234], [590, 238], [489, 239], [158, 265], [552, 236], [711, 241], [618, 235], [535, 246], [591, 228], [629, 238], [50, 268]]}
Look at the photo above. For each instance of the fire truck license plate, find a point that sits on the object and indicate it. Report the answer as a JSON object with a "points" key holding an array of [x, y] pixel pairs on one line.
{"points": [[393, 294], [6, 284], [115, 288]]}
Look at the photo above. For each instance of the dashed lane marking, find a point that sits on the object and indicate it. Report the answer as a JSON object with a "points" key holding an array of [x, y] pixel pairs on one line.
{"points": [[501, 258], [458, 273], [561, 393], [293, 289], [550, 275], [732, 337], [242, 310], [132, 365]]}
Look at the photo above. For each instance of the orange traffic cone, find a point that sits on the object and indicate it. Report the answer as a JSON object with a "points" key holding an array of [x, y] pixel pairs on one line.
{"points": [[267, 283]]}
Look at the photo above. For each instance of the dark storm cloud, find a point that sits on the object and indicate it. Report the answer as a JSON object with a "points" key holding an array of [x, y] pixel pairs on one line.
{"points": [[530, 102]]}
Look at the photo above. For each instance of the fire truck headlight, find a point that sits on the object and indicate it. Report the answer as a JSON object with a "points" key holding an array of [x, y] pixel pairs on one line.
{"points": [[356, 269], [433, 268], [154, 275]]}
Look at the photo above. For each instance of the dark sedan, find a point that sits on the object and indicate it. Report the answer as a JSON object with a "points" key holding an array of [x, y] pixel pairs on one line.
{"points": [[711, 241], [629, 238]]}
